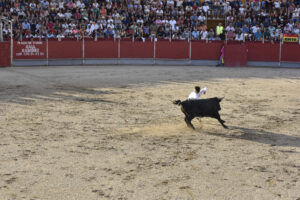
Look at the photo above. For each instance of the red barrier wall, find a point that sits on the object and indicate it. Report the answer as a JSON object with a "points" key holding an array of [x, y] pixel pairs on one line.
{"points": [[136, 49], [235, 55], [4, 54], [206, 51], [176, 49], [268, 52], [290, 52], [101, 49], [30, 50], [64, 49], [172, 50]]}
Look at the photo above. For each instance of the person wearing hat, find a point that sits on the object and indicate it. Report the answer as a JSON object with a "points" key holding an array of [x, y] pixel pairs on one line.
{"points": [[197, 93]]}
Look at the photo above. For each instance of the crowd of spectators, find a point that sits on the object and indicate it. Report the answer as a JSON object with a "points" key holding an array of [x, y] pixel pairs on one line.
{"points": [[175, 19]]}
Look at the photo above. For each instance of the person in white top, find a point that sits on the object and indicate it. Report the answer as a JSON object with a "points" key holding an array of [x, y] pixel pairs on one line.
{"points": [[195, 95]]}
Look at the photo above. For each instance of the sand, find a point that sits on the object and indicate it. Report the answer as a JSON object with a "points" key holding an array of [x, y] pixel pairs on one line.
{"points": [[111, 132]]}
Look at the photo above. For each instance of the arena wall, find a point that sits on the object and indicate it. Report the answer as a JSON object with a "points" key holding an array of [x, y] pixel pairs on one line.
{"points": [[4, 54], [235, 55], [128, 51]]}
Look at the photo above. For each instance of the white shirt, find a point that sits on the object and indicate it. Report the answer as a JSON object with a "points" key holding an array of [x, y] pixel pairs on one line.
{"points": [[179, 3], [239, 37], [204, 35], [194, 95], [205, 8], [201, 18], [173, 22], [254, 29]]}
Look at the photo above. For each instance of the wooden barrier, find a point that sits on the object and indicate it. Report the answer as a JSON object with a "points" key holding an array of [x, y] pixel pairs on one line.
{"points": [[4, 54]]}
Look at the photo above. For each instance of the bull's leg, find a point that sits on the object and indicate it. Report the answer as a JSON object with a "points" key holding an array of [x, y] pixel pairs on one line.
{"points": [[220, 120], [188, 122]]}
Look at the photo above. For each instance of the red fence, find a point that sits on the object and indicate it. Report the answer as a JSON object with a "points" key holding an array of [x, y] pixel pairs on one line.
{"points": [[4, 54], [236, 54], [206, 51], [172, 50], [268, 52], [136, 49], [290, 52], [101, 49], [65, 50]]}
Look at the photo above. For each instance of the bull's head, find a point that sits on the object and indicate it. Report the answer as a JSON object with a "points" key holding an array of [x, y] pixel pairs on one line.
{"points": [[220, 99]]}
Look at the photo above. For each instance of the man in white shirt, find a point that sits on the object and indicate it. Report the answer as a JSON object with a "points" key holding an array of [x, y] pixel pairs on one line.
{"points": [[204, 35], [173, 23], [195, 95], [205, 8]]}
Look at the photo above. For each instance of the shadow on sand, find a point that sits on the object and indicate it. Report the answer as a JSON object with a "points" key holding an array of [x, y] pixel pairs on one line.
{"points": [[261, 136], [24, 95]]}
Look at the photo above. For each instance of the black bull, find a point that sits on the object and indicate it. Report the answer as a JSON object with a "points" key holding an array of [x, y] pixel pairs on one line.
{"points": [[201, 108]]}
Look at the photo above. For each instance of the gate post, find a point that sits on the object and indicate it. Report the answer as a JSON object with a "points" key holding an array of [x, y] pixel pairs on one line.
{"points": [[280, 51], [154, 51], [83, 61], [11, 44], [47, 57], [119, 50]]}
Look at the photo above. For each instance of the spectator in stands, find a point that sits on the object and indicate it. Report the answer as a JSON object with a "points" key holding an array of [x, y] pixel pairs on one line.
{"points": [[195, 34], [144, 18], [239, 36], [258, 35], [211, 34], [230, 32], [219, 31], [204, 34]]}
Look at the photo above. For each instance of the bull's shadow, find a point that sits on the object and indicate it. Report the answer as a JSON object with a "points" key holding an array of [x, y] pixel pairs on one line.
{"points": [[261, 136]]}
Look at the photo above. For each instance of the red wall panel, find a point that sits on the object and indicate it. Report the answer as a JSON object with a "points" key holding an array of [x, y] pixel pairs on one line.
{"points": [[30, 50], [290, 52], [206, 51], [4, 54], [136, 49], [101, 49], [172, 50], [268, 52], [64, 49], [235, 55]]}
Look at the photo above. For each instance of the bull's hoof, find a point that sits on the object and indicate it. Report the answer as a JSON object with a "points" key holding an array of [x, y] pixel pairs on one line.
{"points": [[192, 127], [225, 126]]}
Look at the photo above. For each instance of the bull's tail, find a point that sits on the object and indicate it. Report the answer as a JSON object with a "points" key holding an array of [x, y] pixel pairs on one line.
{"points": [[177, 102]]}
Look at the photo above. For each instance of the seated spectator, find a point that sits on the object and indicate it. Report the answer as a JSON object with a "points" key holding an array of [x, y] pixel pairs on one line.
{"points": [[258, 35], [205, 8], [239, 36], [195, 34], [230, 32], [211, 34], [202, 17], [266, 34], [204, 34], [109, 33]]}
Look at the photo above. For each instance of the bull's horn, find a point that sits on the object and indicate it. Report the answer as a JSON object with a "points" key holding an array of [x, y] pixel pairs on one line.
{"points": [[220, 99]]}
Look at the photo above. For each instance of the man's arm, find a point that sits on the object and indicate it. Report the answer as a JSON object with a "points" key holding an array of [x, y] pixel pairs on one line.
{"points": [[203, 91]]}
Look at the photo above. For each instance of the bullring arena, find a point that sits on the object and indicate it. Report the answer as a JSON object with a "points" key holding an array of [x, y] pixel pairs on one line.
{"points": [[112, 132]]}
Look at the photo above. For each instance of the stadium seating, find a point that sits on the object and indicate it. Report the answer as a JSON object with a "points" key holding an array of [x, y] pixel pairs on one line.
{"points": [[168, 19]]}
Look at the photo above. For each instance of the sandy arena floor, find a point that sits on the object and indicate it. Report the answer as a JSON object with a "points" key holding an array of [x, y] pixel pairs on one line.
{"points": [[111, 132]]}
